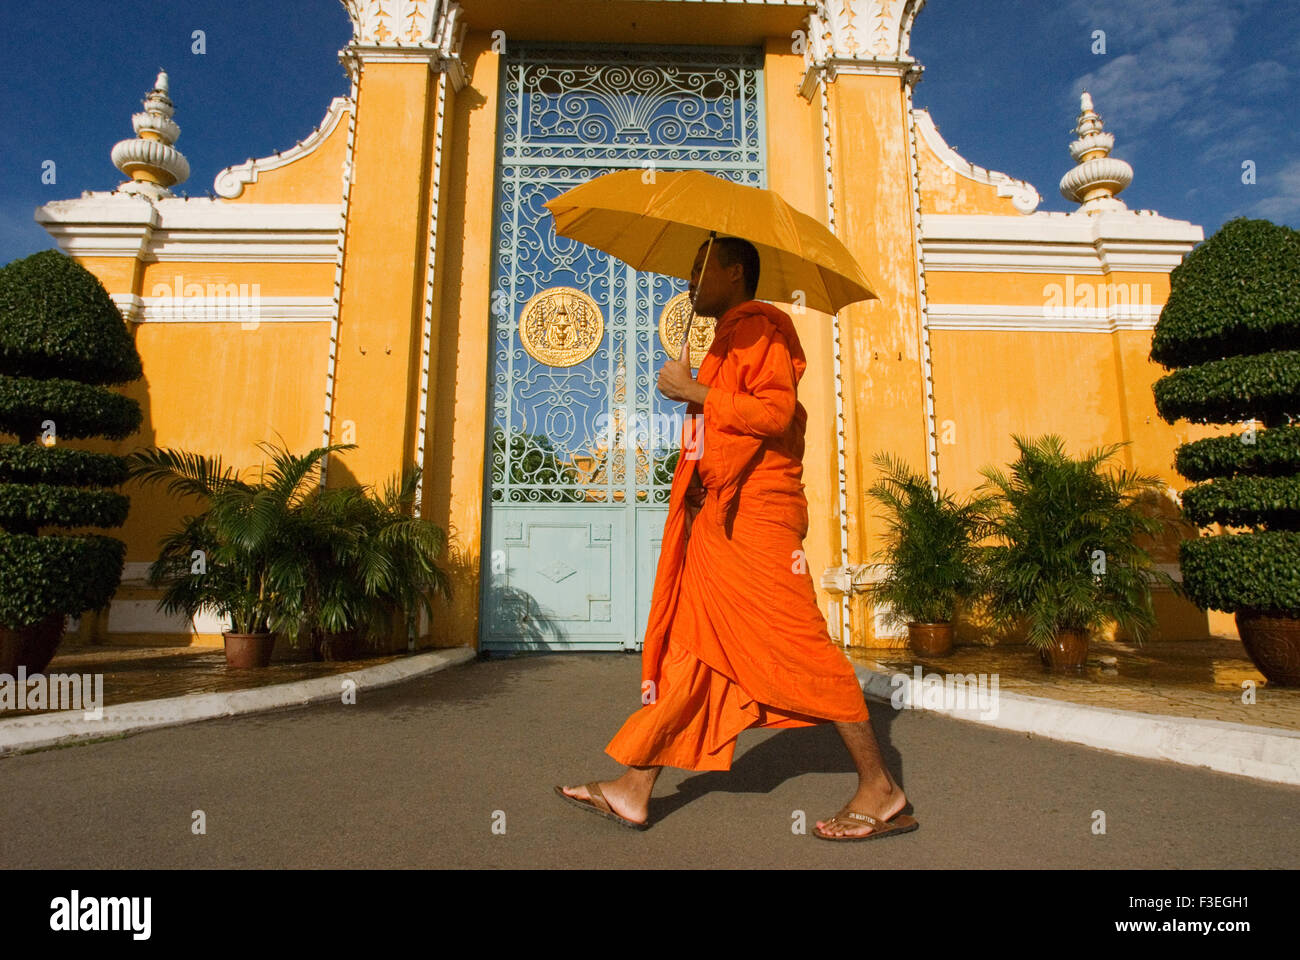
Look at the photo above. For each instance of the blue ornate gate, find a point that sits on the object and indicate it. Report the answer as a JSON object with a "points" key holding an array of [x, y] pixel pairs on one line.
{"points": [[581, 446]]}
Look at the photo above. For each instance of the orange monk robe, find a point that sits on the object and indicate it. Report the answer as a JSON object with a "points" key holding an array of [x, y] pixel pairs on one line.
{"points": [[735, 638]]}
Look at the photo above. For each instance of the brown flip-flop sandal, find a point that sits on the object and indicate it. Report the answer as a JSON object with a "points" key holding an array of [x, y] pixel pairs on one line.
{"points": [[598, 805], [899, 823]]}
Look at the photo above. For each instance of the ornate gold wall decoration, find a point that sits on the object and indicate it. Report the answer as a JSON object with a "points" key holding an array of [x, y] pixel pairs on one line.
{"points": [[672, 327], [561, 326]]}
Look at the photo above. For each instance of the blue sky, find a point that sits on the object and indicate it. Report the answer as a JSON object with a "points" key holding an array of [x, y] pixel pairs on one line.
{"points": [[1190, 88]]}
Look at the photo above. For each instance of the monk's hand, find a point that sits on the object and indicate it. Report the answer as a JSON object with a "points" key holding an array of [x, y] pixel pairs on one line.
{"points": [[675, 380]]}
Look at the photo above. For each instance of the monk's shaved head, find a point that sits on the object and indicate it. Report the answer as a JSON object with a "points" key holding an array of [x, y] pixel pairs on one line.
{"points": [[733, 250]]}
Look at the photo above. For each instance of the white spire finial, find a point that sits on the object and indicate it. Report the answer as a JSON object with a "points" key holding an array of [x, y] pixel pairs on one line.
{"points": [[1098, 177], [150, 160]]}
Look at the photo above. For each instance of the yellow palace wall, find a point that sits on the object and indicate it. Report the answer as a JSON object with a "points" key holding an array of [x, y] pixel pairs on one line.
{"points": [[219, 388]]}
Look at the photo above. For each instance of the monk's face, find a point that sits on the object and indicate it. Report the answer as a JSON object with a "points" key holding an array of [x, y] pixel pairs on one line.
{"points": [[716, 284]]}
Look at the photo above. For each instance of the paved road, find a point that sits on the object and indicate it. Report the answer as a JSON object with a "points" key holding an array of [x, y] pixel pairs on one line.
{"points": [[411, 777]]}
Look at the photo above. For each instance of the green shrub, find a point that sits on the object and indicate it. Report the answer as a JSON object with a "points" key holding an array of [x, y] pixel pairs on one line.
{"points": [[1069, 557], [1264, 386], [51, 574], [62, 343], [1238, 293], [1230, 333], [60, 323], [1245, 501], [933, 562], [1269, 453], [1251, 572]]}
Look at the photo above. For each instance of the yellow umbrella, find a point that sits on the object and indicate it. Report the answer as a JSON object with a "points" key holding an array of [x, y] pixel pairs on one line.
{"points": [[660, 225]]}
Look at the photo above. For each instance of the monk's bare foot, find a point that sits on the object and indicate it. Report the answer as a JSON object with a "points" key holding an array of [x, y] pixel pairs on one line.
{"points": [[628, 802], [876, 801]]}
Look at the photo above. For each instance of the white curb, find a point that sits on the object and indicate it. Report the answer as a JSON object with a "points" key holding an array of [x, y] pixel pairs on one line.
{"points": [[1263, 753], [44, 730]]}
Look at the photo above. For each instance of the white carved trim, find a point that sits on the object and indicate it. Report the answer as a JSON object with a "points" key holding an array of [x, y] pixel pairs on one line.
{"points": [[430, 308], [340, 242], [129, 305], [99, 224], [215, 231], [415, 31], [1043, 242], [426, 53], [841, 459], [1043, 319], [198, 229], [867, 68], [918, 253], [1023, 196], [865, 37], [229, 183], [247, 307]]}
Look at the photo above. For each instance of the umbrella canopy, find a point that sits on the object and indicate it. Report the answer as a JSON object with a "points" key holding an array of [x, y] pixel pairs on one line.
{"points": [[660, 225]]}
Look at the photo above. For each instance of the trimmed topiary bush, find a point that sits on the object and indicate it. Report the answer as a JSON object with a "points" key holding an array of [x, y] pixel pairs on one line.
{"points": [[1230, 333], [63, 342]]}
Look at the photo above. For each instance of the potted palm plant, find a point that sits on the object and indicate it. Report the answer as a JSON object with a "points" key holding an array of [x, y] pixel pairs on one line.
{"points": [[368, 566], [396, 558], [243, 556], [1068, 559], [930, 551]]}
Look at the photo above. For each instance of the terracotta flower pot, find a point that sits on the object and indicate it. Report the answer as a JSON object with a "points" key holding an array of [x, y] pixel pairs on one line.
{"points": [[1273, 644], [930, 639], [245, 650], [32, 647], [1067, 652]]}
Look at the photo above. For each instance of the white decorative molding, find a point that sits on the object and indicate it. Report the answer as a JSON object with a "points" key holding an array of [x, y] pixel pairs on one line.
{"points": [[430, 277], [1023, 195], [859, 36], [340, 245], [407, 31], [100, 224], [841, 459], [918, 254], [129, 305], [1044, 319], [230, 182], [1048, 242], [243, 307], [213, 230], [201, 229]]}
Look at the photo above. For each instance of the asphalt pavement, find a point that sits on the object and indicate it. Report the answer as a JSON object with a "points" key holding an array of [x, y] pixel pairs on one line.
{"points": [[456, 768]]}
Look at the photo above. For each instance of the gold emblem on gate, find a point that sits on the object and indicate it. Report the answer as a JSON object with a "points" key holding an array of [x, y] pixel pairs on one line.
{"points": [[672, 327], [561, 326]]}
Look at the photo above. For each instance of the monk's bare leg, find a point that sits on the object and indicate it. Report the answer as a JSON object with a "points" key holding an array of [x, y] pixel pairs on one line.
{"points": [[878, 795], [629, 795]]}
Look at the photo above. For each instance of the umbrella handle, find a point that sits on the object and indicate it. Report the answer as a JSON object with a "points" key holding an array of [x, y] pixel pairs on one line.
{"points": [[690, 322]]}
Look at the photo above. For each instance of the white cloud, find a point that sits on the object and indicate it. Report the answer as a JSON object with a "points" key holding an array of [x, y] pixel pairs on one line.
{"points": [[1175, 73], [1165, 56], [1281, 202]]}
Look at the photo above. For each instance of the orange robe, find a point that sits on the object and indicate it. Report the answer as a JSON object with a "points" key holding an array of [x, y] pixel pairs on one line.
{"points": [[735, 638]]}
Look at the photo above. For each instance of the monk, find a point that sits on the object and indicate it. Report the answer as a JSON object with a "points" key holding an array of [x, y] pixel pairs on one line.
{"points": [[735, 638]]}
